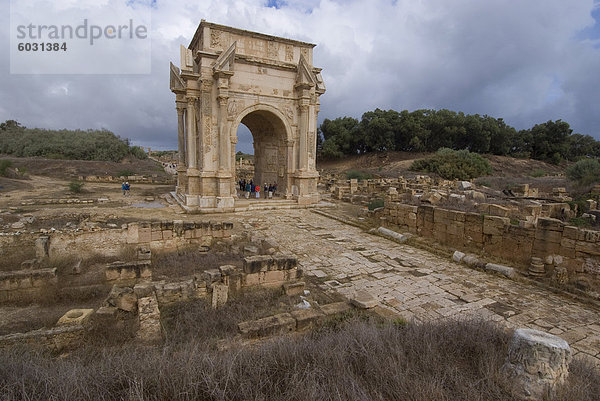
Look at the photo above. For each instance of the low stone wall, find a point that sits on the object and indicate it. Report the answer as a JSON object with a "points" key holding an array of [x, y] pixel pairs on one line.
{"points": [[169, 234], [57, 338], [297, 320], [570, 254], [138, 179], [27, 285], [128, 272], [156, 235], [263, 270]]}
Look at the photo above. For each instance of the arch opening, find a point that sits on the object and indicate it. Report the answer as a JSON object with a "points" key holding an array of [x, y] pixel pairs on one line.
{"points": [[270, 151]]}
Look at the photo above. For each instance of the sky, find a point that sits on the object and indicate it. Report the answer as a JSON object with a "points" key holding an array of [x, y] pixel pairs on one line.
{"points": [[524, 61]]}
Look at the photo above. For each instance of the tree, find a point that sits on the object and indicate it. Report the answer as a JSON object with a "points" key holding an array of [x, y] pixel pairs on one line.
{"points": [[550, 141]]}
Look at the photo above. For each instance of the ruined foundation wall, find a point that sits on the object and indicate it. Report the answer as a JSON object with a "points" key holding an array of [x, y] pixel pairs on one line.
{"points": [[570, 254], [156, 235], [27, 285]]}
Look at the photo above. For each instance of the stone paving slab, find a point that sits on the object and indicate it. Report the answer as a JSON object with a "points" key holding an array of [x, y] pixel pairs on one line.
{"points": [[418, 285]]}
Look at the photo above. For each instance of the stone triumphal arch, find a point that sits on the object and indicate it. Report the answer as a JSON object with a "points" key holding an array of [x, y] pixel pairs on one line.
{"points": [[229, 77]]}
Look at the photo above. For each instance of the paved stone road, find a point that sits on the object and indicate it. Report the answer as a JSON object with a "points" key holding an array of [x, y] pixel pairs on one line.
{"points": [[419, 285]]}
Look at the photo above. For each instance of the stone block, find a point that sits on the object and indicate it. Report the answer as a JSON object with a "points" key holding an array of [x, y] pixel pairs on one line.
{"points": [[132, 233], [307, 318], [283, 262], [212, 276], [570, 232], [274, 276], [458, 256], [537, 364], [143, 290], [75, 317], [219, 294], [464, 185], [276, 324], [252, 279], [167, 234], [292, 289], [42, 246], [548, 223], [364, 300], [587, 247], [178, 227], [495, 225], [497, 210], [258, 263], [548, 235], [122, 298]]}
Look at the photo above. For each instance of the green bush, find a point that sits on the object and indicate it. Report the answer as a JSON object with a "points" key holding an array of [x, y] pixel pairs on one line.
{"points": [[538, 173], [377, 203], [454, 164], [585, 171], [4, 165], [138, 152], [65, 144], [125, 173], [359, 175], [76, 186]]}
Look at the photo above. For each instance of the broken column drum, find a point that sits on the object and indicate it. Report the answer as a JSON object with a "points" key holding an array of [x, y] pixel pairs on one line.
{"points": [[229, 77]]}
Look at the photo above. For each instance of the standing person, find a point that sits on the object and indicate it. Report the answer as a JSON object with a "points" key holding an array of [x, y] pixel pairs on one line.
{"points": [[127, 188], [265, 190], [257, 189], [270, 191], [123, 188], [247, 188]]}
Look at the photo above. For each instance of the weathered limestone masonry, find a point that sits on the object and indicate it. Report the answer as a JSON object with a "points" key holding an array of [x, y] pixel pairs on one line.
{"points": [[170, 234], [138, 179], [27, 285], [568, 253], [68, 333], [156, 235], [229, 77]]}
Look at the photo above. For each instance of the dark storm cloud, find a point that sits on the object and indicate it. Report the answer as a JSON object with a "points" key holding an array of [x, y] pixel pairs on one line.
{"points": [[526, 62]]}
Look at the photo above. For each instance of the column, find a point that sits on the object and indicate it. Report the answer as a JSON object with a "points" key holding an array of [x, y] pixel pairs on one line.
{"points": [[303, 131], [224, 140], [181, 133], [192, 160]]}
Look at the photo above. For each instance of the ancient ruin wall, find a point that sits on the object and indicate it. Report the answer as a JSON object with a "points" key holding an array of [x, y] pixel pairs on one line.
{"points": [[570, 254]]}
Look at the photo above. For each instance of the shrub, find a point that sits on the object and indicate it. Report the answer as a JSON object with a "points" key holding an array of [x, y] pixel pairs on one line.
{"points": [[454, 164], [585, 171], [375, 204], [357, 174], [4, 166], [538, 173], [125, 173], [138, 152], [76, 186]]}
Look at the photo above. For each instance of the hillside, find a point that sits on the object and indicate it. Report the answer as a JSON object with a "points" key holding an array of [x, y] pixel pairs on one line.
{"points": [[67, 169]]}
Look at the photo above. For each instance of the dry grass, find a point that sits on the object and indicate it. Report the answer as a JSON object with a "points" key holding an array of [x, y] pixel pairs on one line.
{"points": [[197, 319], [12, 257], [190, 260], [359, 361]]}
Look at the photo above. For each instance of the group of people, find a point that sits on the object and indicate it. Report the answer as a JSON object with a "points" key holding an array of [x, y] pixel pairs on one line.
{"points": [[251, 189], [125, 188]]}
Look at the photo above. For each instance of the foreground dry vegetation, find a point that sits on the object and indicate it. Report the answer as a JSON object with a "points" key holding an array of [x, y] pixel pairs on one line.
{"points": [[359, 359]]}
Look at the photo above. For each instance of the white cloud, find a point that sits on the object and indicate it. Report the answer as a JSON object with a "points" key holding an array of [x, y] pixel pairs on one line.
{"points": [[526, 62]]}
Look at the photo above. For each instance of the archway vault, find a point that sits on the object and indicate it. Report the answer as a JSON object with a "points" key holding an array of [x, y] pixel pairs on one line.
{"points": [[230, 76]]}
